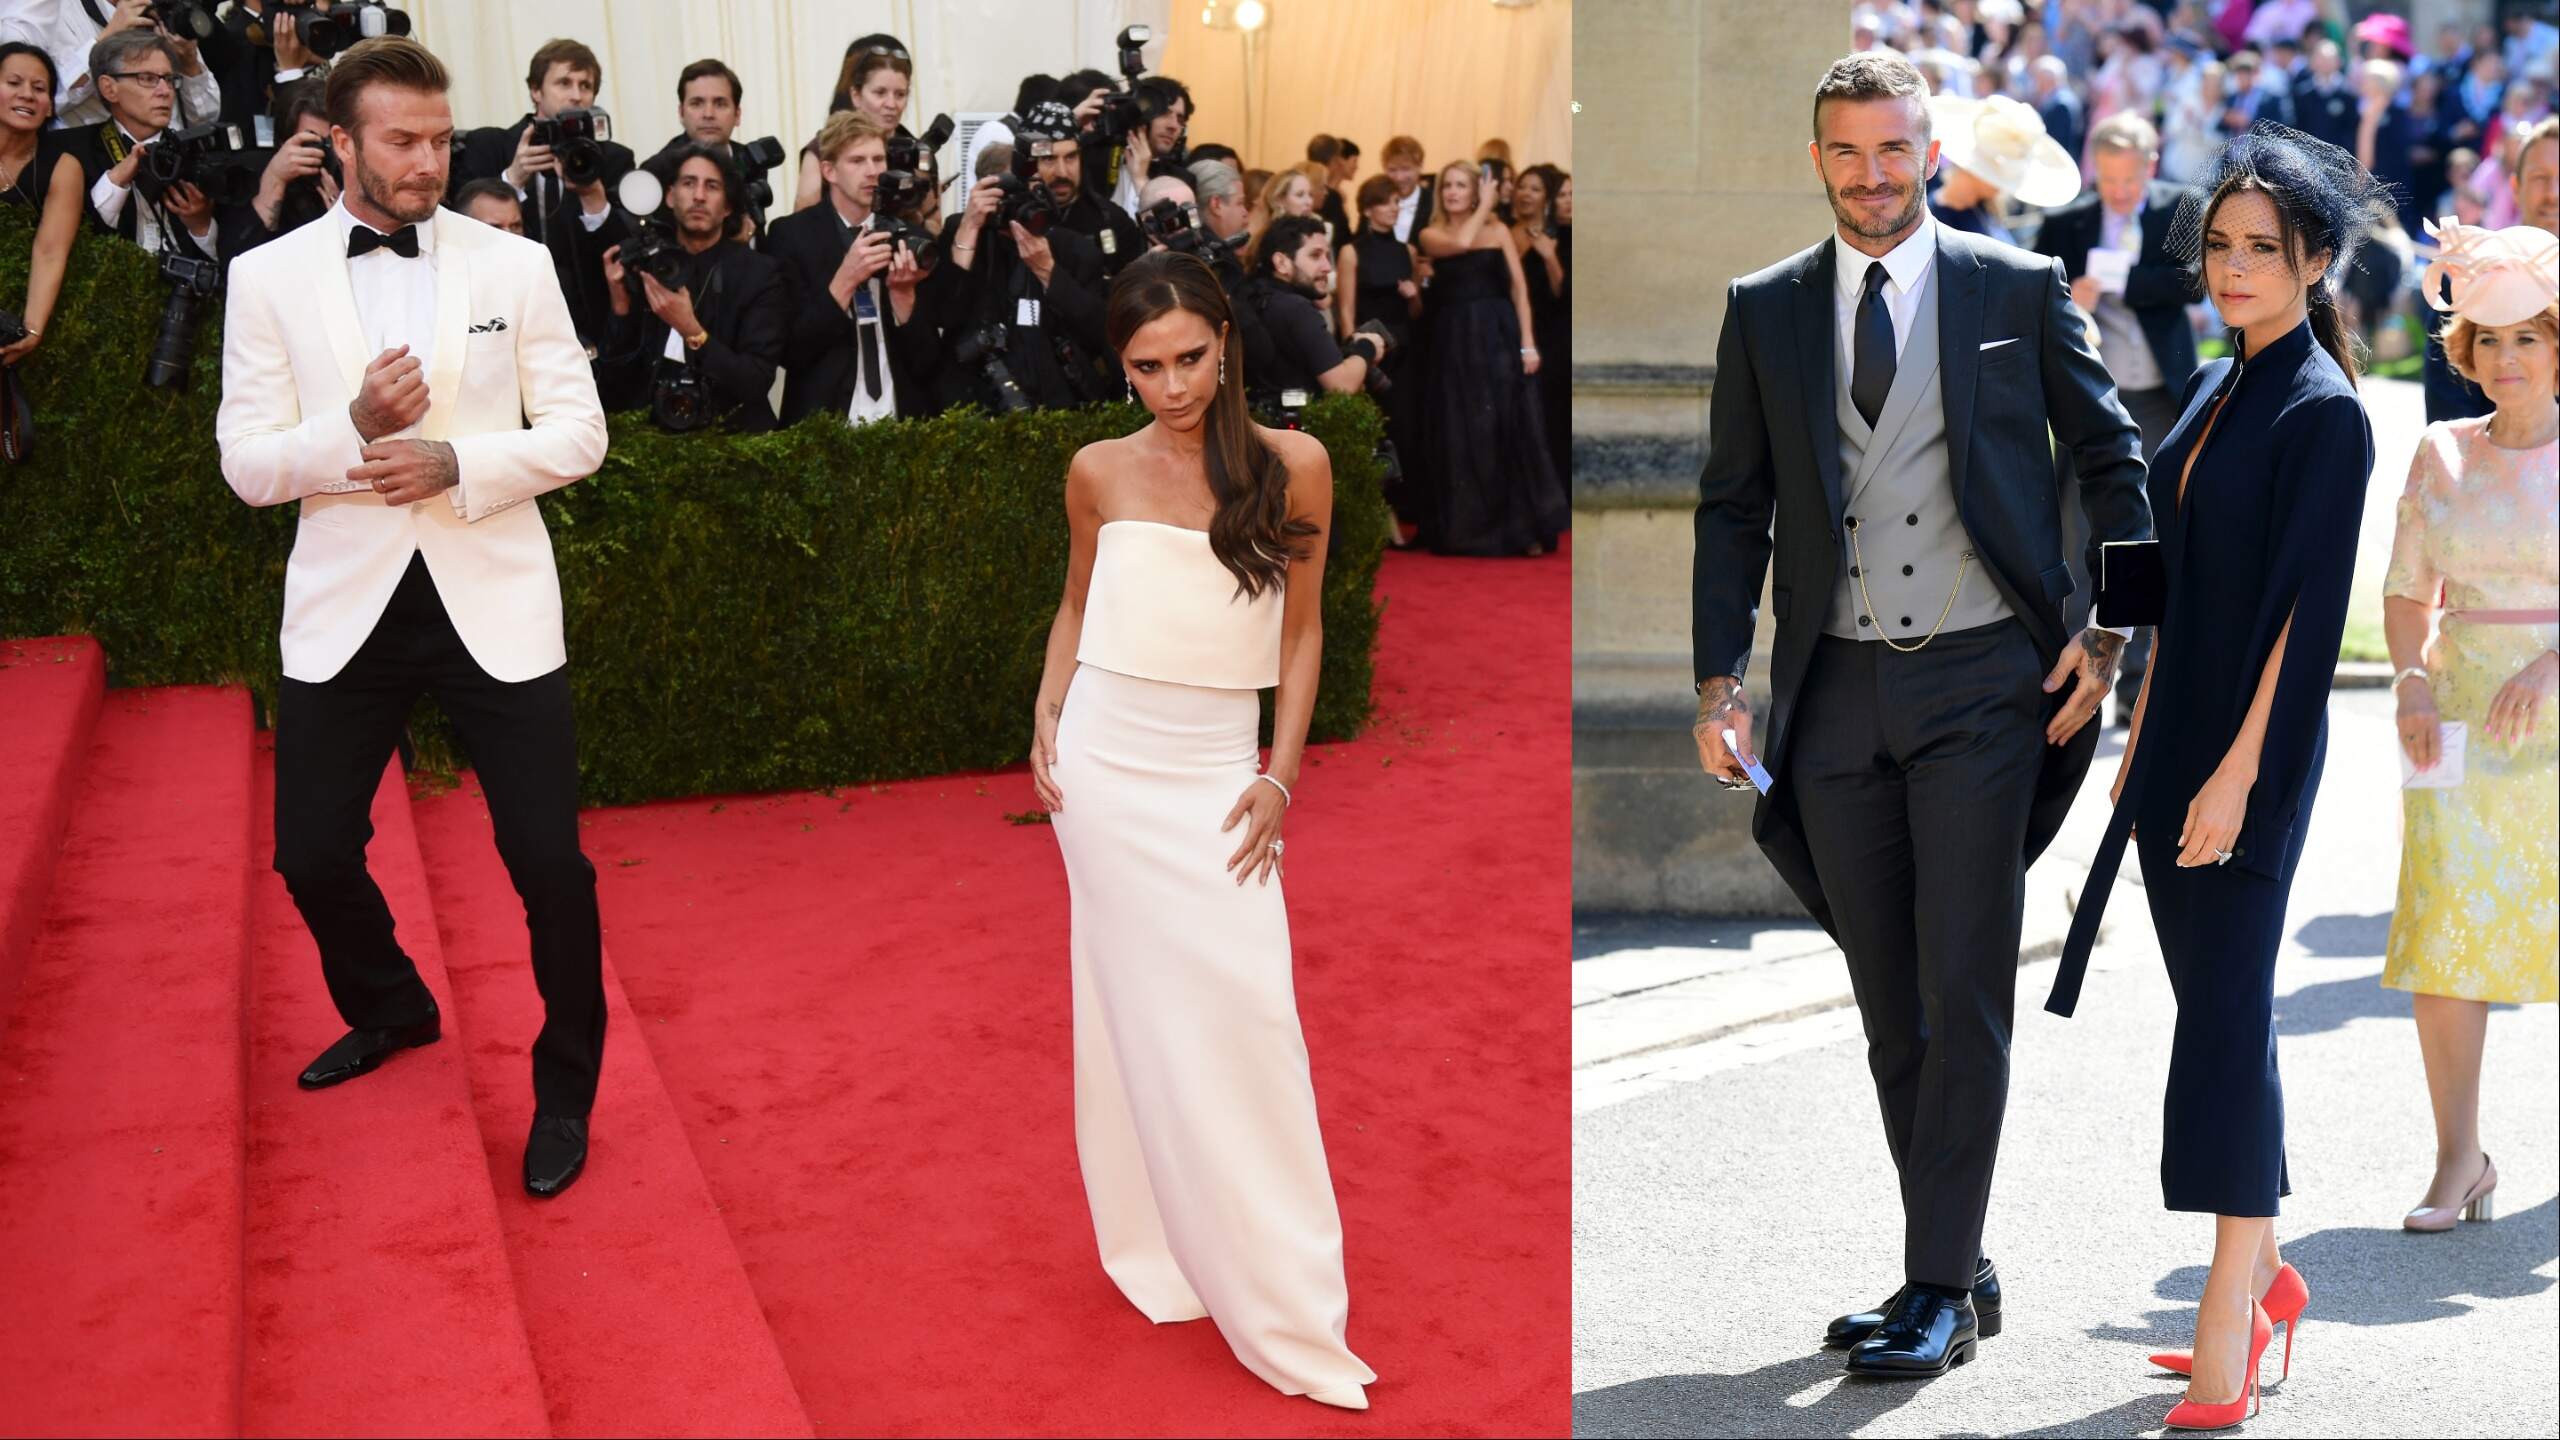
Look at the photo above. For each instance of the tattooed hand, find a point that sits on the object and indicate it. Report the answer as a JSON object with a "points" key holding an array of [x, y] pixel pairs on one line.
{"points": [[2094, 654], [1721, 707], [406, 470]]}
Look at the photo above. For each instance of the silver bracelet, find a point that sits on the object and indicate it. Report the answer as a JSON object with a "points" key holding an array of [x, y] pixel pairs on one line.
{"points": [[2418, 670], [1286, 799]]}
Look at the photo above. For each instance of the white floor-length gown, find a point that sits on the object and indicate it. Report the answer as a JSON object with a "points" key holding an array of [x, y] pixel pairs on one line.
{"points": [[1195, 1117]]}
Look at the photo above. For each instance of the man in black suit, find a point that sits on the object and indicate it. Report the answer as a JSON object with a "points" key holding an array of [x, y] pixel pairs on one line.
{"points": [[1884, 398], [257, 52], [136, 74], [723, 326], [1036, 298], [2138, 293], [857, 346], [1403, 161], [2325, 105], [1058, 162], [2253, 98], [574, 217]]}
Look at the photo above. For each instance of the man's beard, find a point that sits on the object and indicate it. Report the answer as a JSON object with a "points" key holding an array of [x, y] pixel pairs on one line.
{"points": [[1849, 221], [389, 199], [713, 232], [1299, 284]]}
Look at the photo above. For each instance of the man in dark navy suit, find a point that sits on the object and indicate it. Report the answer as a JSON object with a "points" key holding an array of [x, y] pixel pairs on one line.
{"points": [[1879, 452]]}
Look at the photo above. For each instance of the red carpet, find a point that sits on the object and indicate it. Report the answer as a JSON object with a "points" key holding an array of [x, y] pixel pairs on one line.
{"points": [[859, 1006], [50, 691], [121, 1123]]}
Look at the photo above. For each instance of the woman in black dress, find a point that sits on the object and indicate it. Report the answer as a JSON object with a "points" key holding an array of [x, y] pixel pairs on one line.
{"points": [[1545, 242], [37, 174], [1374, 280], [2258, 492], [1493, 489]]}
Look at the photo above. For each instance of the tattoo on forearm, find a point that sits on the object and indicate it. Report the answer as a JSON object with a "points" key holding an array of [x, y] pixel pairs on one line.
{"points": [[446, 465], [1719, 699]]}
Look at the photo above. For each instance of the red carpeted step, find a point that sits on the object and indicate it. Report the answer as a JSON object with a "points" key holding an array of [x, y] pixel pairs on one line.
{"points": [[641, 1317], [121, 1144], [859, 1000], [50, 691], [380, 1301]]}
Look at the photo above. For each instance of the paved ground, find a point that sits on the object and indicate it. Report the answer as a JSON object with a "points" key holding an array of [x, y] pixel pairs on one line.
{"points": [[1733, 1194]]}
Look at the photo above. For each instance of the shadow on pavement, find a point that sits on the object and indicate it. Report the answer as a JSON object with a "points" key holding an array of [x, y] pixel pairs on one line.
{"points": [[1762, 1402], [2382, 1277]]}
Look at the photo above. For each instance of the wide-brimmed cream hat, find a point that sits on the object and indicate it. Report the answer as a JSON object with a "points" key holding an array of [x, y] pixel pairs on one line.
{"points": [[2500, 277], [2003, 141]]}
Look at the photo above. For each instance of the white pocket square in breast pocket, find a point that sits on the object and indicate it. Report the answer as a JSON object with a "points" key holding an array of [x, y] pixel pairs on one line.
{"points": [[1996, 344]]}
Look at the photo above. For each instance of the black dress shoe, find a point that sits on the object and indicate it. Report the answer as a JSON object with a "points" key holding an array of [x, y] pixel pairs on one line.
{"points": [[359, 1051], [1848, 1330], [1923, 1334], [554, 1154]]}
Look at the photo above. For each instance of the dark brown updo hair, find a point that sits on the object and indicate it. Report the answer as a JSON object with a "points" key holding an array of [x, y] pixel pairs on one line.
{"points": [[1252, 532]]}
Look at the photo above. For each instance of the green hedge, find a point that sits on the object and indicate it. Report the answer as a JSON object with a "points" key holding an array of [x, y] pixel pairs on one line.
{"points": [[818, 606]]}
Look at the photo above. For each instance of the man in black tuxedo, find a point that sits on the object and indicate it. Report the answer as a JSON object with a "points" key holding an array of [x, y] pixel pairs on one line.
{"points": [[1403, 161], [722, 326], [1884, 398], [857, 347], [2138, 292], [574, 218]]}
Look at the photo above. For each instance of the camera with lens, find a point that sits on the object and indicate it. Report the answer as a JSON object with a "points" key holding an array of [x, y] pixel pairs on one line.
{"points": [[755, 160], [1377, 384], [328, 27], [1175, 225], [190, 280], [12, 329], [904, 186], [215, 158], [652, 249], [576, 139], [983, 349], [680, 401], [190, 20], [1026, 202], [1126, 110]]}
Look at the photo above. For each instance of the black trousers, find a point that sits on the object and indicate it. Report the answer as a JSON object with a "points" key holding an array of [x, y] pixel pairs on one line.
{"points": [[332, 740], [1913, 775]]}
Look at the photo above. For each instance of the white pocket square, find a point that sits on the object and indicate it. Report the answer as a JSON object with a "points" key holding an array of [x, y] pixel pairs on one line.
{"points": [[1996, 344]]}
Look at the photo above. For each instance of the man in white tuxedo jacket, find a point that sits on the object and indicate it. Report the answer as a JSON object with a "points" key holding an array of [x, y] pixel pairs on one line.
{"points": [[411, 377]]}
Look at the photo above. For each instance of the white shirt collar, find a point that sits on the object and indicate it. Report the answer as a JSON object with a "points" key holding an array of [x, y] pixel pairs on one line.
{"points": [[347, 223], [1904, 264]]}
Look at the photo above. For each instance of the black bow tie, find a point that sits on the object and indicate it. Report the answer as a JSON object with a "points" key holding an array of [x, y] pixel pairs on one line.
{"points": [[402, 242]]}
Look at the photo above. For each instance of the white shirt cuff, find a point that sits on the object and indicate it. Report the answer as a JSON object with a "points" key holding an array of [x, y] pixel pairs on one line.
{"points": [[107, 198]]}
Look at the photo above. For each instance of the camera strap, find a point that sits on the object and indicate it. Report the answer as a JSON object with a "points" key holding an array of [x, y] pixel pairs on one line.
{"points": [[96, 14]]}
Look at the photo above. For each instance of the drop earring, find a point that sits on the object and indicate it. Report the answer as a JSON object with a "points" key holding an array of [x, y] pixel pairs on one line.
{"points": [[1222, 368], [1133, 389]]}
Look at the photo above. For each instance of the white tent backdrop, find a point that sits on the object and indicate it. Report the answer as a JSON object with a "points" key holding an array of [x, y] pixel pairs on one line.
{"points": [[970, 54], [1450, 73]]}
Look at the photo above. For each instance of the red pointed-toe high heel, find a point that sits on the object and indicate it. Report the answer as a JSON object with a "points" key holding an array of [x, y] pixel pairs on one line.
{"points": [[2285, 1301], [2190, 1415]]}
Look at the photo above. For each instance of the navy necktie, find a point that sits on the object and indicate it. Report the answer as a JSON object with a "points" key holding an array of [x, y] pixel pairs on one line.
{"points": [[1872, 378], [402, 242]]}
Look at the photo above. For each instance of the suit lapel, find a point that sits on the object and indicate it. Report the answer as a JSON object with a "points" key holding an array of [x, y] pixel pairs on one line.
{"points": [[1816, 327], [453, 328], [1959, 281], [335, 294]]}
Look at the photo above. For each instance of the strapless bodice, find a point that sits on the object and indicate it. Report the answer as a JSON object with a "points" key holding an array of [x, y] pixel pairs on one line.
{"points": [[1159, 606]]}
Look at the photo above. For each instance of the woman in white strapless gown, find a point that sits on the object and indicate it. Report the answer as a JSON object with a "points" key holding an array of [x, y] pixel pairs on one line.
{"points": [[1193, 581]]}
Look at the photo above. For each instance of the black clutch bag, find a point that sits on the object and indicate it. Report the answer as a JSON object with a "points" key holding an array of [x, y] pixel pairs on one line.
{"points": [[2133, 588]]}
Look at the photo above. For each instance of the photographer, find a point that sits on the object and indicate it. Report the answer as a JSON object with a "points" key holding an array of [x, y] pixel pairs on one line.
{"points": [[1156, 147], [256, 54], [79, 26], [298, 186], [710, 99], [857, 348], [1058, 162], [1290, 275], [566, 189], [1224, 207], [704, 350], [1021, 304], [492, 203], [136, 70]]}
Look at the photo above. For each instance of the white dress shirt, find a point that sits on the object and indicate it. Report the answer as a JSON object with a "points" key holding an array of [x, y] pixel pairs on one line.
{"points": [[109, 199], [395, 295], [29, 22], [1405, 213], [1907, 267], [77, 102]]}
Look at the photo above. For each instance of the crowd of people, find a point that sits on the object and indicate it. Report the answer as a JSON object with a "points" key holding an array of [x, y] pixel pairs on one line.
{"points": [[2439, 120], [874, 286]]}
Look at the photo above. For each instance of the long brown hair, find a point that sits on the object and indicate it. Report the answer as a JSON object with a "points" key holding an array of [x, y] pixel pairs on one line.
{"points": [[1252, 532]]}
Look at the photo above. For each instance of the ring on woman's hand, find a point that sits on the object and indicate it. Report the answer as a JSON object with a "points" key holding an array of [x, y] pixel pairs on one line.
{"points": [[2221, 857], [1274, 847]]}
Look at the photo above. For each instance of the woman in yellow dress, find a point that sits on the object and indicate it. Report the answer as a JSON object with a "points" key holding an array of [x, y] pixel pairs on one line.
{"points": [[2478, 918]]}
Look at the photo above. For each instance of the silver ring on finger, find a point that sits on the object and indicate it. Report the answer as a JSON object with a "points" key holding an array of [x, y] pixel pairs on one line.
{"points": [[1275, 847], [2221, 857]]}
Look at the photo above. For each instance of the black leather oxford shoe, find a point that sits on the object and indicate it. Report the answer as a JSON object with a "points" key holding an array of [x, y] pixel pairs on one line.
{"points": [[1848, 1330], [1924, 1333], [359, 1051], [554, 1154]]}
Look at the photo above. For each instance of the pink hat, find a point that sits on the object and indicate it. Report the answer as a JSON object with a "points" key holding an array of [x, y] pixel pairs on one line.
{"points": [[2391, 30], [2500, 277]]}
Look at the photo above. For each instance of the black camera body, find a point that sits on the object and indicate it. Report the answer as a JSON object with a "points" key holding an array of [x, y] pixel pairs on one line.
{"points": [[652, 250], [1176, 226], [215, 158], [329, 27], [191, 279], [903, 187], [576, 139], [680, 401], [1026, 202], [1125, 110], [755, 161], [12, 329], [983, 349], [184, 19]]}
